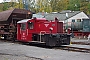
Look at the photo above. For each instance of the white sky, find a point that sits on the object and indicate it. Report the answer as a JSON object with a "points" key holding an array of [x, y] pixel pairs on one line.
{"points": [[5, 0], [1, 1]]}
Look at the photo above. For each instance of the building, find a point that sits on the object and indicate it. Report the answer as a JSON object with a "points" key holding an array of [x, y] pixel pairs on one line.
{"points": [[67, 17], [40, 15]]}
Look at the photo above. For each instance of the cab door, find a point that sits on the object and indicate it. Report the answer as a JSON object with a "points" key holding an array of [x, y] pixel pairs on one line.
{"points": [[30, 30], [23, 32]]}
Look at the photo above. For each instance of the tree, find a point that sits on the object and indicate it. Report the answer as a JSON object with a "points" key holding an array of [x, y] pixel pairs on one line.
{"points": [[43, 6], [74, 5], [88, 12], [48, 5], [62, 5], [84, 6], [20, 4], [5, 6], [15, 4]]}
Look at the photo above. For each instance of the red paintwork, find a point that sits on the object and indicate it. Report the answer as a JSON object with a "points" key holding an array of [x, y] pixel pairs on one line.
{"points": [[80, 33], [40, 25]]}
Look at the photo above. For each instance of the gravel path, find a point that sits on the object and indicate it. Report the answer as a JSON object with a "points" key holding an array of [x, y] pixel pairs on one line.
{"points": [[15, 57], [12, 51]]}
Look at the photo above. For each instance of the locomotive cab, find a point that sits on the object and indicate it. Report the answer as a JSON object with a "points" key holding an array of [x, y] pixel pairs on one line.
{"points": [[23, 28]]}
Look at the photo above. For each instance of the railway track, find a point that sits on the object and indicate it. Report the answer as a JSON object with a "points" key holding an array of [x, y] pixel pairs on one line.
{"points": [[74, 48], [63, 47], [81, 43]]}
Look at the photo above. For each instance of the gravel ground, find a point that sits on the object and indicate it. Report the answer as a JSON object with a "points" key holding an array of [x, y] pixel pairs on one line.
{"points": [[13, 54], [15, 57], [13, 51]]}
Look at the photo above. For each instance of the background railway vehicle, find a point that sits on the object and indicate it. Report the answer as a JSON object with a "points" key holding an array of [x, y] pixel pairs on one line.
{"points": [[81, 25], [80, 28], [8, 22], [40, 30]]}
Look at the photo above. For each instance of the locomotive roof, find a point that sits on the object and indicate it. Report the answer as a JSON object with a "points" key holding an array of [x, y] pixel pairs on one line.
{"points": [[26, 20], [23, 21]]}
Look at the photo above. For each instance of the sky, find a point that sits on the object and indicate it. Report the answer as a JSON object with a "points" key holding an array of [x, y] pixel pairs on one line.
{"points": [[1, 1], [4, 0]]}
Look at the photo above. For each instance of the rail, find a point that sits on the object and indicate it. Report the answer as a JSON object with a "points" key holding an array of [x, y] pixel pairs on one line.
{"points": [[72, 48]]}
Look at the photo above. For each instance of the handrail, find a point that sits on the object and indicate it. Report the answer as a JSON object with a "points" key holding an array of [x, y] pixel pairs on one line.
{"points": [[40, 34]]}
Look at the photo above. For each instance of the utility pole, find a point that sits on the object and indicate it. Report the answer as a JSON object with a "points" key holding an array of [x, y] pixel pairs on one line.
{"points": [[66, 22], [25, 4], [73, 27]]}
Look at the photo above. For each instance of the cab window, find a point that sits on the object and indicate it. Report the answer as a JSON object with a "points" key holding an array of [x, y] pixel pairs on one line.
{"points": [[30, 25], [23, 26]]}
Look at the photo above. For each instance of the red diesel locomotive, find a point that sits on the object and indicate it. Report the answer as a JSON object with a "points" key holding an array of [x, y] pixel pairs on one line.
{"points": [[40, 30]]}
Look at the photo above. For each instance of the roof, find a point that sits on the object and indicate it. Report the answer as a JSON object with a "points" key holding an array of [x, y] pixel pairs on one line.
{"points": [[37, 16], [23, 21], [22, 11], [61, 15], [6, 14], [40, 15], [89, 16], [26, 20]]}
